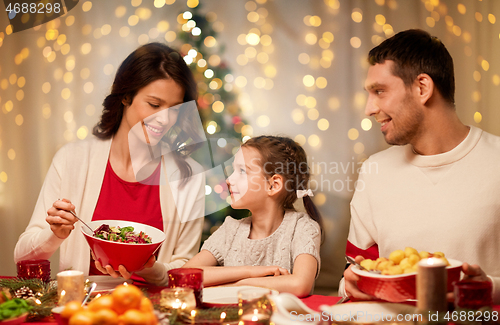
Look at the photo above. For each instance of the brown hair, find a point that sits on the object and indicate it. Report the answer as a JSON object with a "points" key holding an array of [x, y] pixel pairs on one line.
{"points": [[285, 157], [415, 51], [148, 63]]}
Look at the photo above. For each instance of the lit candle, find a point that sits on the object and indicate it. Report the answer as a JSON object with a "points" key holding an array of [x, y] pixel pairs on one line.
{"points": [[254, 319], [431, 285], [193, 316], [70, 286], [178, 298]]}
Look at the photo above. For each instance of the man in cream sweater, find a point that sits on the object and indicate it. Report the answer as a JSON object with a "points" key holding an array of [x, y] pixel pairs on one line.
{"points": [[437, 188]]}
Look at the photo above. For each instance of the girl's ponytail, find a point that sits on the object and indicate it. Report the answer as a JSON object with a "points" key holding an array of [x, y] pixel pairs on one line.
{"points": [[312, 211]]}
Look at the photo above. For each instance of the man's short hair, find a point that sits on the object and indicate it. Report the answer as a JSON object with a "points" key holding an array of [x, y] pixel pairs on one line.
{"points": [[415, 51]]}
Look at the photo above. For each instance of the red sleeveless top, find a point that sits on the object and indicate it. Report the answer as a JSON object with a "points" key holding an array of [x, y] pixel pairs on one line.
{"points": [[129, 201]]}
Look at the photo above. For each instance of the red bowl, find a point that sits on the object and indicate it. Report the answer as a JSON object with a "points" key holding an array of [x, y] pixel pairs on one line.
{"points": [[399, 288], [132, 256]]}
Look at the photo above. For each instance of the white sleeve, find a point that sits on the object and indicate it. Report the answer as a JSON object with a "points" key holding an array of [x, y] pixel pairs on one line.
{"points": [[216, 243], [342, 292], [496, 289], [307, 240], [38, 241]]}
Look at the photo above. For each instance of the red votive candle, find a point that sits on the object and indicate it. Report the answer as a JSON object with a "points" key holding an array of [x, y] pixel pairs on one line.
{"points": [[471, 294], [29, 269], [188, 278]]}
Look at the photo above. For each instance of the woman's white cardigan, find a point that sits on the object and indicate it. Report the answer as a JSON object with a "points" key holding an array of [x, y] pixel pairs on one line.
{"points": [[77, 173]]}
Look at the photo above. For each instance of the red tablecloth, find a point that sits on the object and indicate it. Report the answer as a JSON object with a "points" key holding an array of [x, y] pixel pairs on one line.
{"points": [[315, 301]]}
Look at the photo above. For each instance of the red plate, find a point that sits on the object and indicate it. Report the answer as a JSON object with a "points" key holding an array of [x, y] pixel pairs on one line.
{"points": [[15, 321]]}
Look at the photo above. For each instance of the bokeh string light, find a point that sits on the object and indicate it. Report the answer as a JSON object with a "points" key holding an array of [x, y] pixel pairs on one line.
{"points": [[257, 46], [313, 59]]}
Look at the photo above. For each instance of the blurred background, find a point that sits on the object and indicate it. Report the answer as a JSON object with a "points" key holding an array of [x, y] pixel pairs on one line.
{"points": [[280, 67]]}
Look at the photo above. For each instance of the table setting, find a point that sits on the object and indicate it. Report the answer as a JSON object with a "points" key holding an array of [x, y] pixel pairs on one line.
{"points": [[36, 297], [177, 303]]}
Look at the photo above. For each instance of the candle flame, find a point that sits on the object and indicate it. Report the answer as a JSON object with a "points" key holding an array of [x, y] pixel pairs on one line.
{"points": [[176, 304], [193, 313], [63, 292], [434, 261], [222, 315]]}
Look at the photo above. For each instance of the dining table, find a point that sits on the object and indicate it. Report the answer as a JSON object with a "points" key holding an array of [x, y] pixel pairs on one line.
{"points": [[312, 301]]}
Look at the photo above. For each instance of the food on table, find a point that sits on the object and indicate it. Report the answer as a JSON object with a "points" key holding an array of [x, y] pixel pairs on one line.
{"points": [[103, 302], [400, 262], [4, 295], [71, 308], [121, 235], [126, 297], [13, 308], [126, 305]]}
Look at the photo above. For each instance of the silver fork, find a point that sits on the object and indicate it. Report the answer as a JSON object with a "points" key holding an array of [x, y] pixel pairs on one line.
{"points": [[342, 300], [92, 231], [352, 261]]}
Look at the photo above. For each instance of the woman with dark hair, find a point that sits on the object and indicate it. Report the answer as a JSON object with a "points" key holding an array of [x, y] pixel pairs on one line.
{"points": [[154, 92]]}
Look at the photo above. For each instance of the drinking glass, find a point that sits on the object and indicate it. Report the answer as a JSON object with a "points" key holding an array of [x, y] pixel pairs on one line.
{"points": [[29, 269], [473, 294], [188, 278], [178, 298], [255, 307]]}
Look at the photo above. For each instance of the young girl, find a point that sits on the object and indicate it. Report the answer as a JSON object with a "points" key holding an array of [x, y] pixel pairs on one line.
{"points": [[276, 247]]}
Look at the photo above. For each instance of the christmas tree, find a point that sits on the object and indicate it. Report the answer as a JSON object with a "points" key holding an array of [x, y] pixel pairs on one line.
{"points": [[217, 106]]}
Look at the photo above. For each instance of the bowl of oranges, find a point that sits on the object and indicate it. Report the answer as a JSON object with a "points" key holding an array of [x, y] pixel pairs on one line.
{"points": [[394, 278], [126, 305]]}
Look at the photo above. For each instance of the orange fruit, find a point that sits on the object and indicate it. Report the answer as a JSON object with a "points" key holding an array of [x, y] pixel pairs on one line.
{"points": [[105, 316], [82, 318], [134, 317], [101, 303], [71, 308], [126, 297], [152, 318], [146, 305]]}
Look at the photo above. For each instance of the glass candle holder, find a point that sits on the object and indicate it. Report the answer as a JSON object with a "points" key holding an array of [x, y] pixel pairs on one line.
{"points": [[255, 307], [471, 294], [178, 298], [30, 269], [188, 278], [70, 286]]}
